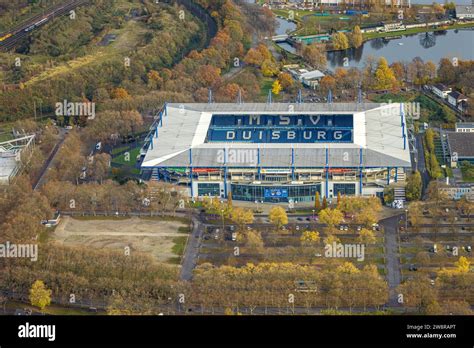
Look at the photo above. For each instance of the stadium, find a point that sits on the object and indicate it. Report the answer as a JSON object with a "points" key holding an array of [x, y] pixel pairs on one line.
{"points": [[277, 152]]}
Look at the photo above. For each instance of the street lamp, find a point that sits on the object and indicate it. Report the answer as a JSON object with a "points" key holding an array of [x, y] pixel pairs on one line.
{"points": [[222, 214], [406, 220], [313, 213]]}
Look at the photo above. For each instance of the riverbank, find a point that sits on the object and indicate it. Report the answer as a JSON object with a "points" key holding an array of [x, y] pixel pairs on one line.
{"points": [[371, 36]]}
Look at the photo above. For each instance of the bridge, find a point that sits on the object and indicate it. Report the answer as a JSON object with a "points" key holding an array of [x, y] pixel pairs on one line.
{"points": [[280, 38]]}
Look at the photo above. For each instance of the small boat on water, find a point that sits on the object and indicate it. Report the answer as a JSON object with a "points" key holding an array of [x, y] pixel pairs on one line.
{"points": [[400, 43]]}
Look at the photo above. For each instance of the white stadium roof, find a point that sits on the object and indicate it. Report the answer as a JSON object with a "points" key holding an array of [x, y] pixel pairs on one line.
{"points": [[377, 130]]}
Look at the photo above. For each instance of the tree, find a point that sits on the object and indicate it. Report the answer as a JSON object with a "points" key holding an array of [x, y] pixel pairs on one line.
{"points": [[463, 264], [327, 83], [466, 207], [208, 75], [100, 166], [120, 93], [356, 37], [384, 77], [367, 237], [242, 216], [3, 302], [315, 55], [438, 9], [269, 68], [331, 239], [418, 292], [254, 241], [254, 57], [317, 201], [310, 238], [229, 200], [286, 81], [278, 217], [330, 217], [40, 296], [325, 202], [414, 214], [276, 87], [340, 41], [414, 185]]}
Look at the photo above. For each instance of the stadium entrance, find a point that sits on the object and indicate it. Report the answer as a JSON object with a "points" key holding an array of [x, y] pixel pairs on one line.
{"points": [[274, 193]]}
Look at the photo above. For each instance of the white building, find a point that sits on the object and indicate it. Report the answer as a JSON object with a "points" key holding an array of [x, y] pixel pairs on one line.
{"points": [[465, 11], [463, 127], [12, 153], [277, 152], [441, 90], [308, 78], [455, 99]]}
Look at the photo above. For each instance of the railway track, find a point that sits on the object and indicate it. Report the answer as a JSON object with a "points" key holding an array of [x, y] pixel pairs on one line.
{"points": [[21, 31]]}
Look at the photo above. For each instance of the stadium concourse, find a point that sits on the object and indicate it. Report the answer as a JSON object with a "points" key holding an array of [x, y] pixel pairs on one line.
{"points": [[277, 152]]}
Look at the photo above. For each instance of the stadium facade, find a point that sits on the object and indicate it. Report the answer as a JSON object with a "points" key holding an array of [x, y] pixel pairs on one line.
{"points": [[276, 152]]}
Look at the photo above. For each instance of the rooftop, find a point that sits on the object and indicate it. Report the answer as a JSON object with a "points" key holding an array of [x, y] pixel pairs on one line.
{"points": [[465, 125], [461, 143], [456, 95], [464, 9], [377, 136], [441, 87]]}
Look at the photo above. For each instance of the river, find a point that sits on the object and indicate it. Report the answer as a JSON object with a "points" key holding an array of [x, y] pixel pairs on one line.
{"points": [[428, 46]]}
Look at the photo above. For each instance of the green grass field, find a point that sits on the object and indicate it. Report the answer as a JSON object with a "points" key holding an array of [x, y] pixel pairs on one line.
{"points": [[128, 158]]}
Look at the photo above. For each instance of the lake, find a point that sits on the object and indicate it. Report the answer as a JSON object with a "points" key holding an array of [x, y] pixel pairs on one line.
{"points": [[428, 46]]}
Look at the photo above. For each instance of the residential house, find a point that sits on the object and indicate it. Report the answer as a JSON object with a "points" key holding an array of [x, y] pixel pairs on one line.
{"points": [[441, 90]]}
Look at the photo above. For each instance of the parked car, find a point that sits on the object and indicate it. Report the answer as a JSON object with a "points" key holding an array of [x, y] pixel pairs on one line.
{"points": [[413, 268]]}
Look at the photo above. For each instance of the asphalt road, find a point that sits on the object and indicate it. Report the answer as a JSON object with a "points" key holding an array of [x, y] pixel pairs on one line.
{"points": [[392, 257], [50, 160], [192, 250], [425, 177]]}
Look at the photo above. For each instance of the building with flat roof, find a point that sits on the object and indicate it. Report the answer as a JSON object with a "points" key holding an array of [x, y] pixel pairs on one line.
{"points": [[12, 153], [460, 147], [465, 11], [458, 191], [464, 127], [278, 152]]}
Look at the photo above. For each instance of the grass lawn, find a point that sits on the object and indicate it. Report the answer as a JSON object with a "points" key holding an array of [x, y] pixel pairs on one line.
{"points": [[119, 149], [298, 14], [179, 245], [265, 85], [127, 39], [5, 137], [128, 160]]}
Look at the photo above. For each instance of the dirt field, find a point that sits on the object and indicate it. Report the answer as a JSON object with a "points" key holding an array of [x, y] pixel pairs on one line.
{"points": [[143, 235]]}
